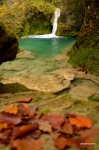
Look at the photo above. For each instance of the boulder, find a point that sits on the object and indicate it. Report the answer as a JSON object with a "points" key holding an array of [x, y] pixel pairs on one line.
{"points": [[8, 44]]}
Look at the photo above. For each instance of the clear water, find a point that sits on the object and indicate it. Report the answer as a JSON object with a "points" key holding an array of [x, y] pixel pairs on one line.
{"points": [[45, 47]]}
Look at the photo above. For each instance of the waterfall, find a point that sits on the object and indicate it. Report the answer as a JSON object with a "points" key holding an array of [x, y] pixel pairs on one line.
{"points": [[57, 14], [51, 35]]}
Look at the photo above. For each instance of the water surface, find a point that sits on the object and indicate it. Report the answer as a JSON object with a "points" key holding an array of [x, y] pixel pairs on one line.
{"points": [[46, 47]]}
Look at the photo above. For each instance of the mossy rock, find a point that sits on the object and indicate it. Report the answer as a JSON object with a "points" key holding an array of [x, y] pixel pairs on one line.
{"points": [[8, 45], [12, 88]]}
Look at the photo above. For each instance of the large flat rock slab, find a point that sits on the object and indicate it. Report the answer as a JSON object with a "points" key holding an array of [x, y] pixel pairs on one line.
{"points": [[47, 83]]}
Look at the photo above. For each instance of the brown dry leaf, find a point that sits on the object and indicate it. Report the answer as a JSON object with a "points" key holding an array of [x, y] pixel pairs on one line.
{"points": [[45, 126], [10, 118], [55, 120], [84, 142], [25, 144], [24, 100], [19, 132], [3, 126], [25, 111], [80, 122], [62, 142], [12, 109], [67, 128]]}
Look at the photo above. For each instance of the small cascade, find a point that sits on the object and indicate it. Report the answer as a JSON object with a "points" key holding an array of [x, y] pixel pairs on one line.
{"points": [[57, 14], [51, 35]]}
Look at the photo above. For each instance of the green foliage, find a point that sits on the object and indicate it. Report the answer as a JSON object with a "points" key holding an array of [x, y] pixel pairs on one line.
{"points": [[27, 17]]}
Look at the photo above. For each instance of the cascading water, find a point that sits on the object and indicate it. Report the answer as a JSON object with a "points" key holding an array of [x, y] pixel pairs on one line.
{"points": [[51, 35], [57, 14]]}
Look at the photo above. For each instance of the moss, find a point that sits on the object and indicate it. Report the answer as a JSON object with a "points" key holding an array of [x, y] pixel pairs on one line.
{"points": [[12, 88], [94, 97], [85, 51]]}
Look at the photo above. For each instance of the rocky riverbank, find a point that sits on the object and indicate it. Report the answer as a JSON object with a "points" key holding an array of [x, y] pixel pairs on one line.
{"points": [[49, 75]]}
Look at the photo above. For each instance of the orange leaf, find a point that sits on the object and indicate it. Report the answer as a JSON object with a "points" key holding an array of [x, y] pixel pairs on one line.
{"points": [[80, 122], [3, 126], [23, 130], [27, 144], [62, 142], [67, 128], [12, 109]]}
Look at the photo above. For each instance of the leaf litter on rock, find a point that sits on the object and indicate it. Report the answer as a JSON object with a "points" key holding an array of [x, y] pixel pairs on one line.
{"points": [[21, 127]]}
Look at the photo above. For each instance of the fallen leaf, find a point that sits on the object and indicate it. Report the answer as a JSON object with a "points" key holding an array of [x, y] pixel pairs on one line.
{"points": [[62, 142], [10, 118], [55, 120], [5, 136], [85, 142], [91, 132], [25, 144], [24, 100], [80, 122], [34, 134], [25, 111], [3, 126], [45, 126], [19, 132], [12, 109], [67, 128]]}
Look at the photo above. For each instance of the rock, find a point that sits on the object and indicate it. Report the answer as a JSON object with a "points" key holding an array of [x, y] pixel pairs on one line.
{"points": [[65, 73], [25, 55], [82, 92], [8, 45]]}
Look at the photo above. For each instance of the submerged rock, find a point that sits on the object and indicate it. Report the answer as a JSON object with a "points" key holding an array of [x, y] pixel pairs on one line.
{"points": [[8, 45]]}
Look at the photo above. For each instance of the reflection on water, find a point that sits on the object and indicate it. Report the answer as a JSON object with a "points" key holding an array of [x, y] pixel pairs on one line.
{"points": [[45, 47]]}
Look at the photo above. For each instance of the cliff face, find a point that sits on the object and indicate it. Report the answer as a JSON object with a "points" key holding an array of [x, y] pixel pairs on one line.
{"points": [[8, 45], [72, 17], [85, 51]]}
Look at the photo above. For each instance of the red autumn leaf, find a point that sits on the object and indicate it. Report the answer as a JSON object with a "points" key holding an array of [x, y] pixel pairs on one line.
{"points": [[55, 120], [84, 142], [10, 118], [25, 144], [12, 109], [23, 130], [25, 111], [24, 100], [45, 126], [80, 122], [62, 142], [67, 128]]}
